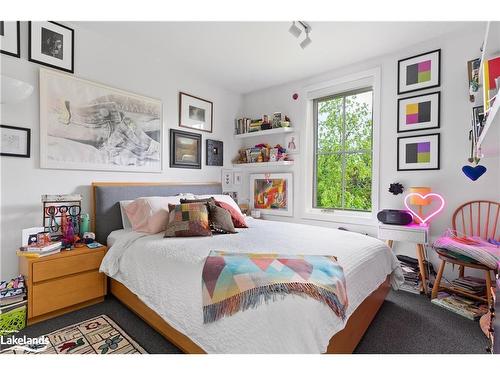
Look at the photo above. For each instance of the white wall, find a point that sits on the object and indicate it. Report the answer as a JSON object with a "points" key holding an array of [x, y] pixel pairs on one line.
{"points": [[112, 63], [456, 50]]}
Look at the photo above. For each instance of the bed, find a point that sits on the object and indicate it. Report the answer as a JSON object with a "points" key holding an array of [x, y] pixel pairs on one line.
{"points": [[160, 280]]}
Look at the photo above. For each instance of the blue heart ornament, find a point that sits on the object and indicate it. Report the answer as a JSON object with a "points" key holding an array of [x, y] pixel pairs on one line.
{"points": [[474, 172]]}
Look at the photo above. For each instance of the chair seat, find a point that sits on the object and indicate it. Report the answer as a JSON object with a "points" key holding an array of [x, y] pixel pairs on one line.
{"points": [[459, 262]]}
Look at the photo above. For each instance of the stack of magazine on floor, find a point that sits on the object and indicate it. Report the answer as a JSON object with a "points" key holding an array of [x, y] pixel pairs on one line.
{"points": [[411, 272], [12, 294]]}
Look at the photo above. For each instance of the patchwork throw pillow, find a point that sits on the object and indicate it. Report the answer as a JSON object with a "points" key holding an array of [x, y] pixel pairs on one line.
{"points": [[236, 215], [188, 220], [220, 219]]}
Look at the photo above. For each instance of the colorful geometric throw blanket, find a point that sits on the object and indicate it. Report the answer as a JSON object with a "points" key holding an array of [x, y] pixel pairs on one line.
{"points": [[235, 282]]}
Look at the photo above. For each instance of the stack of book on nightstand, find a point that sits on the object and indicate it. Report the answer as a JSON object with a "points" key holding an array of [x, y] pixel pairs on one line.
{"points": [[12, 294], [40, 251], [411, 272]]}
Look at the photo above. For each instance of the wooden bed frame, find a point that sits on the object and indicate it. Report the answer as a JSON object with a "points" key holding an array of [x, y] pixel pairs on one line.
{"points": [[343, 342]]}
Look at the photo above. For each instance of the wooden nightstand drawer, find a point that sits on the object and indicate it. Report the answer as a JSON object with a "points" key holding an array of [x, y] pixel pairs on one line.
{"points": [[66, 266], [56, 294], [398, 233]]}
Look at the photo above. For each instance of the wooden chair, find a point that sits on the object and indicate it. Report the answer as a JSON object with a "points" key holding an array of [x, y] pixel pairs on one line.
{"points": [[475, 218]]}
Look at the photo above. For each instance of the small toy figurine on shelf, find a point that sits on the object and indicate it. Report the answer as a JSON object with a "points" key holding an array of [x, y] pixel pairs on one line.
{"points": [[69, 234]]}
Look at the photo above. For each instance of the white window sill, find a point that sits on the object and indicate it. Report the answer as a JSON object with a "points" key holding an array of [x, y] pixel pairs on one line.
{"points": [[338, 216]]}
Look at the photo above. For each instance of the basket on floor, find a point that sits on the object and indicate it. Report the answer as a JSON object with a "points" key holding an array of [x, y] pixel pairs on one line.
{"points": [[13, 321]]}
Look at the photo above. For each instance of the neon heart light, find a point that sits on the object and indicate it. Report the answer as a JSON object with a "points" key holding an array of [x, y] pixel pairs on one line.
{"points": [[432, 214]]}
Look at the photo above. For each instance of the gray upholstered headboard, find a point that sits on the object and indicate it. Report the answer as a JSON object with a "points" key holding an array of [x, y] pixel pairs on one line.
{"points": [[107, 197]]}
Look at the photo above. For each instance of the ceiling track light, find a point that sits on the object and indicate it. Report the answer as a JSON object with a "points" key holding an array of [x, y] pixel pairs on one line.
{"points": [[296, 30]]}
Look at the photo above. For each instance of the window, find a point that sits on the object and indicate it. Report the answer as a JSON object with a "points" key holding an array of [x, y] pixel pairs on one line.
{"points": [[343, 132]]}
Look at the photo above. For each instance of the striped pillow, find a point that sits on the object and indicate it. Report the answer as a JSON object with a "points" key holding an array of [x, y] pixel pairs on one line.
{"points": [[187, 220]]}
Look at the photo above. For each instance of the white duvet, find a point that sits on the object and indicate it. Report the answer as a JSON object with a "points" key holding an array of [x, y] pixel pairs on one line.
{"points": [[165, 273]]}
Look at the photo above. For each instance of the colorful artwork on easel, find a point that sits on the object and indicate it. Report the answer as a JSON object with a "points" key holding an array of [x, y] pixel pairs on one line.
{"points": [[272, 193]]}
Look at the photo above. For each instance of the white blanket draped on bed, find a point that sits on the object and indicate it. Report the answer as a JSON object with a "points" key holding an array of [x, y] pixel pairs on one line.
{"points": [[165, 273]]}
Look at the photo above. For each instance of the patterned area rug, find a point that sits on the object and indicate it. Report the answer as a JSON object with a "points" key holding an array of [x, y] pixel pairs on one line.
{"points": [[99, 335]]}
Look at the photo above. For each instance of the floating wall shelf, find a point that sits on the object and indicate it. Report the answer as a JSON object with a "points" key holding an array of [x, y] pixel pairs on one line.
{"points": [[265, 132], [264, 164]]}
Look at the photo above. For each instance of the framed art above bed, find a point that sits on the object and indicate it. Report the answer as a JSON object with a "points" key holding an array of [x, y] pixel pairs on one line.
{"points": [[86, 125]]}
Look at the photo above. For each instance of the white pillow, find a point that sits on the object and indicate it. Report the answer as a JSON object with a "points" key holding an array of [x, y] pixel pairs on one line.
{"points": [[125, 221], [223, 198]]}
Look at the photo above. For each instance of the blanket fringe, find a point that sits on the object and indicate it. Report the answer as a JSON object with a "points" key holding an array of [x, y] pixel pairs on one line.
{"points": [[254, 297]]}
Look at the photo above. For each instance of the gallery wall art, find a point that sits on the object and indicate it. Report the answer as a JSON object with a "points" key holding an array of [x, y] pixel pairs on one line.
{"points": [[419, 72], [86, 125], [419, 112], [51, 44], [185, 149], [15, 141], [195, 113], [215, 153], [272, 193], [10, 40], [418, 152]]}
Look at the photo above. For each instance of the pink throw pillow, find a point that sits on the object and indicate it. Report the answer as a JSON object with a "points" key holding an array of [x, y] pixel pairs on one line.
{"points": [[149, 214], [236, 216]]}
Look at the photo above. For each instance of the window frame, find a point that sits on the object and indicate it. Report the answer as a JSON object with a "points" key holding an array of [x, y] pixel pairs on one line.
{"points": [[344, 151], [345, 84]]}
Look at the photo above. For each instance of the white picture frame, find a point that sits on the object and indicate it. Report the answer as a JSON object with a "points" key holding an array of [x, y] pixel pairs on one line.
{"points": [[89, 126], [266, 193], [292, 143]]}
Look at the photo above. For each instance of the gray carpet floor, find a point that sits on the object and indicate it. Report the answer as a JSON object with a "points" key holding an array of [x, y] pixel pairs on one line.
{"points": [[406, 323]]}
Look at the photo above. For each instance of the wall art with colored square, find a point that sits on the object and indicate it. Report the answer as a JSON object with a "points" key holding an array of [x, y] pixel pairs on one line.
{"points": [[418, 152], [419, 112], [272, 193], [419, 72]]}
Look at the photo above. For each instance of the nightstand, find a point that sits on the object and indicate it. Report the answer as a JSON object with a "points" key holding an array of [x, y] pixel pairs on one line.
{"points": [[63, 282], [412, 233]]}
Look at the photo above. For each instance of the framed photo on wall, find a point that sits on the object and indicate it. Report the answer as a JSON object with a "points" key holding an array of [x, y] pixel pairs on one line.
{"points": [[51, 44], [15, 141], [417, 153], [195, 113], [419, 72], [272, 193], [10, 40], [419, 112], [215, 153], [185, 149], [86, 125]]}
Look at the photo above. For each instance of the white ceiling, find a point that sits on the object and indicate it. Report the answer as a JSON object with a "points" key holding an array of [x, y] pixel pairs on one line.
{"points": [[247, 56]]}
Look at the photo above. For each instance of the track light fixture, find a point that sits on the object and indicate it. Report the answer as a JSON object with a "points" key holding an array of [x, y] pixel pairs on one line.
{"points": [[295, 30]]}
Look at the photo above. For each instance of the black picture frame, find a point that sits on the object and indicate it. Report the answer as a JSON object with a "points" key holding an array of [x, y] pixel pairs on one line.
{"points": [[30, 57], [420, 169], [214, 153], [28, 142], [417, 96], [182, 120], [18, 54], [174, 133], [422, 88]]}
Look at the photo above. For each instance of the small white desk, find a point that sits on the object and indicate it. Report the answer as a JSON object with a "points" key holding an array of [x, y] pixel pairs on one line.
{"points": [[412, 233]]}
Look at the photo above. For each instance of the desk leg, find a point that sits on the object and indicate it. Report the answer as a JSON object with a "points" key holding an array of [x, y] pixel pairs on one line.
{"points": [[421, 265]]}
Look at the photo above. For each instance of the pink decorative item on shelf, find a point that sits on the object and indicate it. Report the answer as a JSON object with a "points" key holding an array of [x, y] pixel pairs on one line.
{"points": [[420, 217]]}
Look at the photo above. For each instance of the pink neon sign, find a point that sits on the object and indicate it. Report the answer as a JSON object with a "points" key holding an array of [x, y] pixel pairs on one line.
{"points": [[433, 213]]}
